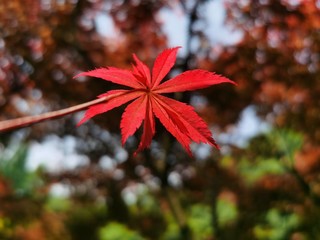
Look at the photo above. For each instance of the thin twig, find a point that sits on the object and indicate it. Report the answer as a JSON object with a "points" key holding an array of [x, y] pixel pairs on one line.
{"points": [[25, 121], [178, 213]]}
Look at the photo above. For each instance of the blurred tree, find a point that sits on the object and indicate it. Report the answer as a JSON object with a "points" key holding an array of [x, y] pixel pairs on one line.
{"points": [[277, 61], [267, 190]]}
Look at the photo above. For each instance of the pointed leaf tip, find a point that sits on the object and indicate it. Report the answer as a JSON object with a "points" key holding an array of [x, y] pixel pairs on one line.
{"points": [[114, 75], [163, 64], [191, 80]]}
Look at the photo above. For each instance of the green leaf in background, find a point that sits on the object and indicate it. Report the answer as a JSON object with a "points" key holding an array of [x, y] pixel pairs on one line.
{"points": [[13, 168], [6, 228], [58, 204], [253, 171], [117, 231], [199, 220], [278, 225], [269, 154], [288, 142], [227, 212]]}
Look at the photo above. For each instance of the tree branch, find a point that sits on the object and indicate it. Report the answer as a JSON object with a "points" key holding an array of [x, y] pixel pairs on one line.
{"points": [[26, 121]]}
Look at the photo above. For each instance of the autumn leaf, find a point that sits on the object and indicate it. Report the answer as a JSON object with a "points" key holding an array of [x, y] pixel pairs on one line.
{"points": [[147, 103]]}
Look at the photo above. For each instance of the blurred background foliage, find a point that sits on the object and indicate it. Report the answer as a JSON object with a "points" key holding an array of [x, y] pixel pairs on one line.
{"points": [[266, 188]]}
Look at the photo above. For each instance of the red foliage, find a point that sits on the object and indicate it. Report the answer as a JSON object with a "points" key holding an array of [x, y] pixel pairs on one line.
{"points": [[180, 119]]}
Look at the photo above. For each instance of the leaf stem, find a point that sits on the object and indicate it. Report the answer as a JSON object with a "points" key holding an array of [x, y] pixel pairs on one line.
{"points": [[25, 121]]}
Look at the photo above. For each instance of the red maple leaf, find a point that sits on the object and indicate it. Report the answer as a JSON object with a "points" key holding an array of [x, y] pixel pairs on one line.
{"points": [[178, 118]]}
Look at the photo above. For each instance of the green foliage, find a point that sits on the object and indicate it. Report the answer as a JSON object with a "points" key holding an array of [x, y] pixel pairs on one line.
{"points": [[172, 231], [269, 154], [287, 142], [172, 228], [199, 220], [58, 204], [117, 231], [279, 143], [13, 168], [145, 202], [227, 212], [253, 171], [6, 228], [277, 226], [85, 219]]}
